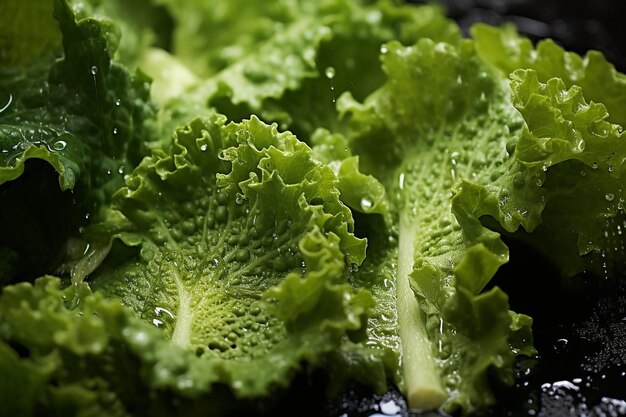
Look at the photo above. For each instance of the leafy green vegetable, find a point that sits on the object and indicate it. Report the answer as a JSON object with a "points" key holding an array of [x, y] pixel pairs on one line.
{"points": [[83, 114], [462, 145], [243, 252], [289, 62], [205, 259]]}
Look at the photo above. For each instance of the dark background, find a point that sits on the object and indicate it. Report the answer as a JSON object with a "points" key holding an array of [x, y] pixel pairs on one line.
{"points": [[578, 25]]}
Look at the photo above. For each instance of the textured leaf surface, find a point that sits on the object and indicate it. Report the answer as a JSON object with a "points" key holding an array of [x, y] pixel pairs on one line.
{"points": [[461, 145], [80, 112]]}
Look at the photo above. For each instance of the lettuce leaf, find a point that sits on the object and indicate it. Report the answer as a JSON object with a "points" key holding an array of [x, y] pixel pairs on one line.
{"points": [[463, 144], [289, 62], [75, 109], [240, 276], [204, 271]]}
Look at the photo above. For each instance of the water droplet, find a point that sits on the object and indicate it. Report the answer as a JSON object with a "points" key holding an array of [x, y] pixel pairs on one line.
{"points": [[594, 165], [611, 169], [401, 181], [59, 145], [560, 345], [389, 408], [5, 102], [383, 49], [118, 102], [366, 204], [115, 130], [609, 196], [121, 170], [203, 147], [159, 310], [583, 173], [330, 73], [93, 70]]}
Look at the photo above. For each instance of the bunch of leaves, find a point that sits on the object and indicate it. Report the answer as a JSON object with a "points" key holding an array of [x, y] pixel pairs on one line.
{"points": [[67, 103]]}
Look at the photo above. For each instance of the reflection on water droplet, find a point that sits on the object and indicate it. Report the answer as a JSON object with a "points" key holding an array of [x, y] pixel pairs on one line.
{"points": [[389, 407], [203, 147], [118, 102], [609, 196], [5, 101], [93, 70], [560, 345], [115, 130], [330, 73], [59, 145], [366, 203], [159, 310], [383, 49]]}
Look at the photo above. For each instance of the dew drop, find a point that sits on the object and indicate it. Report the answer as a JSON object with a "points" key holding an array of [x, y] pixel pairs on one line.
{"points": [[366, 204], [93, 70], [115, 131], [561, 345], [5, 105], [59, 145], [609, 196], [118, 102], [330, 73], [383, 49], [203, 147]]}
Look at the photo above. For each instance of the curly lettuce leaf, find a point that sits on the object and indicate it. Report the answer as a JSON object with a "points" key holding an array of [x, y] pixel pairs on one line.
{"points": [[244, 249], [229, 269], [533, 156], [506, 50], [79, 112], [451, 127], [289, 62], [575, 110], [361, 192]]}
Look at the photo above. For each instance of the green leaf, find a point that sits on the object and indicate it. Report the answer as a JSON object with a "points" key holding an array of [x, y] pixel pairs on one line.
{"points": [[361, 192], [27, 32], [463, 144], [244, 249], [289, 62], [81, 113], [447, 120], [508, 51]]}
